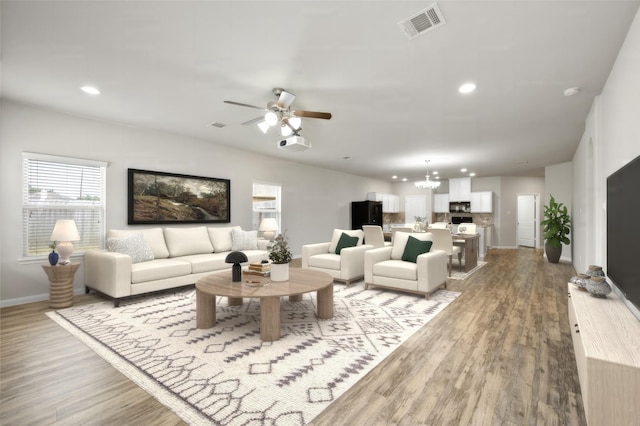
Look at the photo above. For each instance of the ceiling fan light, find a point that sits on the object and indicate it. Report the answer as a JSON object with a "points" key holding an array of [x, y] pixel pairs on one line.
{"points": [[271, 118], [285, 130], [263, 126], [295, 122], [285, 99]]}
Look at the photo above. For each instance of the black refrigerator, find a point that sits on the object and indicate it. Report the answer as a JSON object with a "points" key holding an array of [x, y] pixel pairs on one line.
{"points": [[366, 213]]}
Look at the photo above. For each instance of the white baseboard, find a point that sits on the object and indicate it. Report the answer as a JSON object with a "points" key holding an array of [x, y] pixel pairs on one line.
{"points": [[35, 298]]}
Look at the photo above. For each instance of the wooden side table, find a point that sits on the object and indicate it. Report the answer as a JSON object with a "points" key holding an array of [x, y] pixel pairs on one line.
{"points": [[61, 284]]}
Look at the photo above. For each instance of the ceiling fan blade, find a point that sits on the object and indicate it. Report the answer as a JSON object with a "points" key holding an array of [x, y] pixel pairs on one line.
{"points": [[254, 120], [244, 105], [285, 99], [312, 114]]}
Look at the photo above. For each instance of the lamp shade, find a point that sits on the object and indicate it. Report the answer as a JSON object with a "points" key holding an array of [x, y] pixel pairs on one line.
{"points": [[65, 230]]}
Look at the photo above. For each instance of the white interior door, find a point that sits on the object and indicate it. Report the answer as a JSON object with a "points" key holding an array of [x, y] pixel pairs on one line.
{"points": [[527, 220], [414, 205]]}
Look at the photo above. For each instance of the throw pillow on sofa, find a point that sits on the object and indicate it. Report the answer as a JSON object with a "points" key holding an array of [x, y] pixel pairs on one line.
{"points": [[337, 233], [134, 246], [346, 241], [415, 248], [244, 240]]}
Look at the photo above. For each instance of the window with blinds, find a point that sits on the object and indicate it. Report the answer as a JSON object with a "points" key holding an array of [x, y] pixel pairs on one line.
{"points": [[62, 188], [266, 203]]}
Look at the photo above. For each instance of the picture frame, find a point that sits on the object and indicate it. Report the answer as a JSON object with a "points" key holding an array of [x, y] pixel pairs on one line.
{"points": [[170, 198]]}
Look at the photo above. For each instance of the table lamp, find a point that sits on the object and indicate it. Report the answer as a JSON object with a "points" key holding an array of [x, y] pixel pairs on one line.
{"points": [[236, 257], [65, 231], [269, 225]]}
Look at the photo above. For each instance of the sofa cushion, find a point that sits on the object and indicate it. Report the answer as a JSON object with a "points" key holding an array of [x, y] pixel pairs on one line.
{"points": [[325, 261], [159, 269], [244, 240], [346, 241], [186, 241], [414, 248], [400, 241], [133, 245], [396, 269], [337, 233], [153, 236], [221, 238], [206, 262]]}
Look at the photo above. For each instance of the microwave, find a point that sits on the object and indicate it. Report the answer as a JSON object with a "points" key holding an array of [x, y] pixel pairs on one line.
{"points": [[460, 207]]}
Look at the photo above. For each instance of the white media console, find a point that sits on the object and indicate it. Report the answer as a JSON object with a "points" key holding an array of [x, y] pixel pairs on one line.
{"points": [[606, 342]]}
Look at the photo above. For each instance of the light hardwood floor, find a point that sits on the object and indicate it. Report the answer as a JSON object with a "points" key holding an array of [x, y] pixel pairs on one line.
{"points": [[501, 354]]}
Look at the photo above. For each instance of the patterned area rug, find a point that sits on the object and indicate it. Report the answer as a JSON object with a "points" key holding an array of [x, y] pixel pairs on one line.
{"points": [[226, 374], [457, 275]]}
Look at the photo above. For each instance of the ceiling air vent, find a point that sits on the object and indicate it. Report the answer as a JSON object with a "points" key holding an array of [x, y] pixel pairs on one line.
{"points": [[423, 21], [218, 125]]}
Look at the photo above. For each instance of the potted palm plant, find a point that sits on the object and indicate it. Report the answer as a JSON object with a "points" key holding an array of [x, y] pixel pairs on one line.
{"points": [[280, 256], [555, 227]]}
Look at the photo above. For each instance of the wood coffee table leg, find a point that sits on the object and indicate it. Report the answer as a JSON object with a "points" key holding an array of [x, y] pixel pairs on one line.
{"points": [[205, 310], [325, 302], [270, 319]]}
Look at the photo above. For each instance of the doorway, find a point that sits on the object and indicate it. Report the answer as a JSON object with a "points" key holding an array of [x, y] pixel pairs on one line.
{"points": [[527, 228]]}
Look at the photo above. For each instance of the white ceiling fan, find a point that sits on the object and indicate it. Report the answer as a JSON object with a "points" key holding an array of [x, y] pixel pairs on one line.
{"points": [[278, 111]]}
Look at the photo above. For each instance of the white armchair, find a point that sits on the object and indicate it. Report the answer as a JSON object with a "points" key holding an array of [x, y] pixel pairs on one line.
{"points": [[346, 267], [384, 267]]}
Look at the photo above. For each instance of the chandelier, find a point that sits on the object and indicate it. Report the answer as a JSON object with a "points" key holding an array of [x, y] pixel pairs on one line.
{"points": [[427, 183]]}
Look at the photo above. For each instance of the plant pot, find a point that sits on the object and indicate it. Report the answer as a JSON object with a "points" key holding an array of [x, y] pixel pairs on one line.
{"points": [[553, 253], [279, 272], [53, 258]]}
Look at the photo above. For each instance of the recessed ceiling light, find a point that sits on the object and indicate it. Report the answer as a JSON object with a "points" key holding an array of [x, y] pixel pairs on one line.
{"points": [[404, 179], [394, 177], [472, 174], [90, 90], [435, 173], [467, 88], [571, 91], [463, 170]]}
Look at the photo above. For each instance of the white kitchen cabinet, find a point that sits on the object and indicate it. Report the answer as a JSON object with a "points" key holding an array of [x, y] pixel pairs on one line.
{"points": [[441, 203], [482, 202], [459, 189], [390, 202]]}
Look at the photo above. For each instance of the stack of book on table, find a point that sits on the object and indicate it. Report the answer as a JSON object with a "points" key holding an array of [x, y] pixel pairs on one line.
{"points": [[260, 269]]}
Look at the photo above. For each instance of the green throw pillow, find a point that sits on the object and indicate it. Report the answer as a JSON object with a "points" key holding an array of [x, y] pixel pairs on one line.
{"points": [[415, 248], [346, 241]]}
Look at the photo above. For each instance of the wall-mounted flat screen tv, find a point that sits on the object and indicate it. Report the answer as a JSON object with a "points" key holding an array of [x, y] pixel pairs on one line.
{"points": [[623, 230]]}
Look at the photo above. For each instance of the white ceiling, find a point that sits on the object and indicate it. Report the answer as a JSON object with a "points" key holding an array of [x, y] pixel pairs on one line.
{"points": [[169, 65]]}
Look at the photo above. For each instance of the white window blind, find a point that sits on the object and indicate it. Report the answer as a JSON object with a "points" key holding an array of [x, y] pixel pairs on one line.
{"points": [[266, 203], [62, 188]]}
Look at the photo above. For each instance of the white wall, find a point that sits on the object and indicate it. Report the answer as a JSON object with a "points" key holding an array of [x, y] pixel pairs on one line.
{"points": [[314, 200], [611, 139]]}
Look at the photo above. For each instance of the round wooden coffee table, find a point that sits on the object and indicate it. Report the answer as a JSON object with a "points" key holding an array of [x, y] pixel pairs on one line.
{"points": [[300, 281]]}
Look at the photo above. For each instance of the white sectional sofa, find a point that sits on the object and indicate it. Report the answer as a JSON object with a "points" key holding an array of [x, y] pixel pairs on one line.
{"points": [[147, 260]]}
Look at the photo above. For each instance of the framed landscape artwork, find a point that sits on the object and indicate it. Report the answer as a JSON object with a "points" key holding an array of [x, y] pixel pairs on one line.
{"points": [[157, 197]]}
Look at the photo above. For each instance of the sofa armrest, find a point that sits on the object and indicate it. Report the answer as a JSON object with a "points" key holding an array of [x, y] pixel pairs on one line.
{"points": [[108, 272], [432, 270], [263, 244], [313, 249], [373, 256], [352, 261]]}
